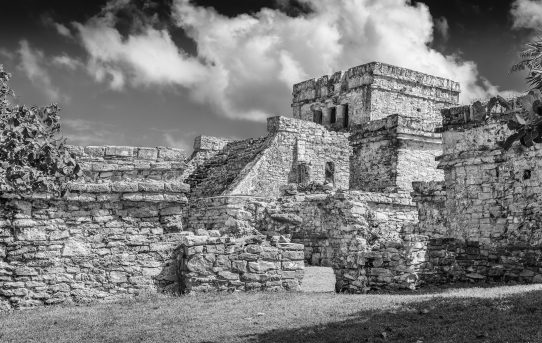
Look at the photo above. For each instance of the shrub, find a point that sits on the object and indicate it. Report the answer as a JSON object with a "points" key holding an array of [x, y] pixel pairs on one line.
{"points": [[33, 154]]}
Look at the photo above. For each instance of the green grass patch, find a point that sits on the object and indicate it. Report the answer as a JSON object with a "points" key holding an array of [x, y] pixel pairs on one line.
{"points": [[499, 314]]}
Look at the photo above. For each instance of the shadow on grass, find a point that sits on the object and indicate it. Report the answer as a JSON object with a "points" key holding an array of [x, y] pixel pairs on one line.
{"points": [[515, 318]]}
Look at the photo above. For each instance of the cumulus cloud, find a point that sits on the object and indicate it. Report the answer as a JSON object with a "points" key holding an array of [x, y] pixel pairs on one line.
{"points": [[527, 14], [245, 65], [66, 61], [147, 58], [31, 66]]}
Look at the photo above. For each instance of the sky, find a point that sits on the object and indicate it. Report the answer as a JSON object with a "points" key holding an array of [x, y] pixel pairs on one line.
{"points": [[159, 73]]}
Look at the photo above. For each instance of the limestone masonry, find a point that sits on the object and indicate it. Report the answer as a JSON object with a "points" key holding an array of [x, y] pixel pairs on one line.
{"points": [[379, 174]]}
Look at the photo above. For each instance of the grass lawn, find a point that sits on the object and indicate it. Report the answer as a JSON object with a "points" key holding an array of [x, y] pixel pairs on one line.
{"points": [[498, 314]]}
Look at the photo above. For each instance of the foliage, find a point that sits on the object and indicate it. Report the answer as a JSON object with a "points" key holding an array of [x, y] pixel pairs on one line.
{"points": [[531, 59], [528, 129], [33, 155]]}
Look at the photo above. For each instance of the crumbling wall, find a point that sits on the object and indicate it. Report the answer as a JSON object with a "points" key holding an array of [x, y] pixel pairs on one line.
{"points": [[205, 148], [430, 199], [219, 173], [117, 163], [389, 154], [349, 231], [103, 241], [293, 143], [213, 262], [487, 227]]}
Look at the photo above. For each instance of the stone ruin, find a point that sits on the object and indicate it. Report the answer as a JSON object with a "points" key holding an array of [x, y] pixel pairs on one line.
{"points": [[379, 174]]}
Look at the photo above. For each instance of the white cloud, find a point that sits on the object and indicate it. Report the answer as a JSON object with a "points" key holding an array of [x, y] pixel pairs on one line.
{"points": [[31, 66], [62, 30], [527, 14], [246, 65], [442, 27], [66, 61], [148, 58]]}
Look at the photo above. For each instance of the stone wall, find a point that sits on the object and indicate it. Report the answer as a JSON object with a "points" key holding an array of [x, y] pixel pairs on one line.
{"points": [[205, 148], [219, 173], [373, 91], [389, 154], [292, 147], [361, 235], [430, 199], [219, 263], [95, 244], [484, 220], [329, 223], [122, 163]]}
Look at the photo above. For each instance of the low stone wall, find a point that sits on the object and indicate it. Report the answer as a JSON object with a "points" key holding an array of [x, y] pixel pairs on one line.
{"points": [[389, 266], [220, 263], [390, 153], [324, 223], [88, 246], [452, 259], [122, 163]]}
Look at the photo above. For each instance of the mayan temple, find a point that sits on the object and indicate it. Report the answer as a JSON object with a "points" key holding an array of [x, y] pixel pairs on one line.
{"points": [[378, 172]]}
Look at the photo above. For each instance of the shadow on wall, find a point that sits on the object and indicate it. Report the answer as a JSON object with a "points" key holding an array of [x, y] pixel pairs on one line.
{"points": [[504, 319], [168, 280]]}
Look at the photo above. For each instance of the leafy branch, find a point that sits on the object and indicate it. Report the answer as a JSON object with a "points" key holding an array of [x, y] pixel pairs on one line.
{"points": [[528, 129], [33, 155]]}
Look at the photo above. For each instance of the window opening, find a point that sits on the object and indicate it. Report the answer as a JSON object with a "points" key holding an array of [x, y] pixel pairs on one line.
{"points": [[330, 172], [333, 115]]}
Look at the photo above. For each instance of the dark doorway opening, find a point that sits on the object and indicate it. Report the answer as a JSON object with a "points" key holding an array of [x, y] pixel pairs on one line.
{"points": [[346, 117], [317, 116]]}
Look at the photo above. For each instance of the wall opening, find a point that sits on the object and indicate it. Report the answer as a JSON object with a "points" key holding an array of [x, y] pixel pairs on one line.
{"points": [[302, 173], [318, 279], [330, 173], [317, 116], [333, 115], [526, 174], [345, 115]]}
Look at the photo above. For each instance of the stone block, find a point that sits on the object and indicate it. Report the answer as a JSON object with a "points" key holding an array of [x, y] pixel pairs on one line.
{"points": [[25, 271], [177, 187], [293, 254], [95, 151], [192, 240], [30, 234], [151, 187], [98, 188], [171, 154], [119, 151], [262, 266], [293, 265], [228, 275], [171, 210], [253, 277], [239, 266], [76, 247], [290, 246], [201, 263], [118, 277], [147, 153]]}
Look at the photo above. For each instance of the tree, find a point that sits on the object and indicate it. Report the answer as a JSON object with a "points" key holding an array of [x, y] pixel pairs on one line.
{"points": [[33, 154], [531, 59], [528, 125]]}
